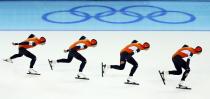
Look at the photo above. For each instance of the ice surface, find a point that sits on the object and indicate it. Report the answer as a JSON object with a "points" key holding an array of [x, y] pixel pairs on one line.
{"points": [[60, 83]]}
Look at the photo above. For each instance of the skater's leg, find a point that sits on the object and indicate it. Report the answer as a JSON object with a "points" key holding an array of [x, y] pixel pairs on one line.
{"points": [[132, 61], [16, 56], [68, 60], [187, 71], [122, 63], [82, 59], [20, 54], [30, 55], [178, 62], [119, 67]]}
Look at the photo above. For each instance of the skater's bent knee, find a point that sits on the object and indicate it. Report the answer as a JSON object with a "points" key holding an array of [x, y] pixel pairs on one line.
{"points": [[188, 70], [83, 60], [135, 66], [121, 67], [34, 58]]}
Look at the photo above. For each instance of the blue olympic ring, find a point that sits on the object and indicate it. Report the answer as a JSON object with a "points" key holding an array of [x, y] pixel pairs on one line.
{"points": [[109, 11], [130, 13], [45, 17], [192, 18]]}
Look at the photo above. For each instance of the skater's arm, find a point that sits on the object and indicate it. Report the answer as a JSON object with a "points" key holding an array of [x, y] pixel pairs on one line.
{"points": [[188, 60], [14, 43], [74, 48], [31, 36], [65, 51], [25, 43], [138, 50], [79, 47], [82, 38]]}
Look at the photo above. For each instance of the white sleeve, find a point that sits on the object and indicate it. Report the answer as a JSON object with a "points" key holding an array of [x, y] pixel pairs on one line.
{"points": [[81, 45], [133, 48], [188, 54], [31, 43]]}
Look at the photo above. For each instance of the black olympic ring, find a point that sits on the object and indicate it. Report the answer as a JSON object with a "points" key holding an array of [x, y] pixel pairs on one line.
{"points": [[109, 11]]}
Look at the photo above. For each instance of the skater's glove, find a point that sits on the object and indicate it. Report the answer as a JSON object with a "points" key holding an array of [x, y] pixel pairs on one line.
{"points": [[14, 43], [131, 53], [65, 51], [138, 50], [82, 38], [32, 43], [85, 46]]}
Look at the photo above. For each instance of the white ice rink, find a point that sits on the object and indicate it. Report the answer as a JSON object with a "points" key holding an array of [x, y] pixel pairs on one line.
{"points": [[60, 83]]}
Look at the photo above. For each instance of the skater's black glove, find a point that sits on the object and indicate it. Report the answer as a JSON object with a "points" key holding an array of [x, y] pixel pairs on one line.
{"points": [[31, 36], [132, 53], [85, 46], [33, 44], [82, 38], [65, 51], [15, 43], [188, 60], [138, 50], [191, 54]]}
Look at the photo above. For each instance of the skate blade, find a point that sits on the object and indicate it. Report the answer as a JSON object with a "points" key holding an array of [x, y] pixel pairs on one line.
{"points": [[162, 78], [82, 78], [131, 83], [102, 69], [186, 88], [50, 65], [6, 61], [33, 73]]}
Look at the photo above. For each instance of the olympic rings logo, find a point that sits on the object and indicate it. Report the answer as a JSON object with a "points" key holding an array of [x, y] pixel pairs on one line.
{"points": [[158, 15]]}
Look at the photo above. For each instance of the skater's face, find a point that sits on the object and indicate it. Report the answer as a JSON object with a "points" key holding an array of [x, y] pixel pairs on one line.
{"points": [[43, 43], [146, 49], [198, 53], [93, 45]]}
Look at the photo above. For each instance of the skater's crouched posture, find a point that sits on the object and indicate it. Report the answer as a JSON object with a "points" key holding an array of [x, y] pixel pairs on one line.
{"points": [[126, 56], [181, 59], [81, 44], [30, 42]]}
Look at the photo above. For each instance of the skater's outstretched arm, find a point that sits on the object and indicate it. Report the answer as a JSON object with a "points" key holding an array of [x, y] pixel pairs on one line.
{"points": [[76, 48], [188, 60], [82, 38], [31, 36], [25, 43]]}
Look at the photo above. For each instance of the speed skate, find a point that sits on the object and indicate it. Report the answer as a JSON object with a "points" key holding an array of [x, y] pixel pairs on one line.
{"points": [[162, 77], [131, 83], [183, 87], [33, 73], [102, 69], [83, 78]]}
